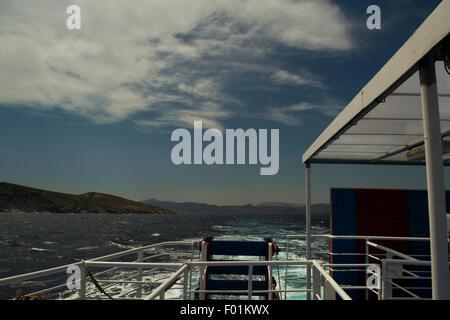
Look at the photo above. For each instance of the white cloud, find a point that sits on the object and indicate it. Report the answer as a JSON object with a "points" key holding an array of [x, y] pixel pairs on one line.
{"points": [[160, 56], [289, 115], [284, 77]]}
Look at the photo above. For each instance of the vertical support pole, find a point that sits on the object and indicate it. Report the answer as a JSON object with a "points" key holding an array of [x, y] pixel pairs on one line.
{"points": [[203, 271], [250, 282], [435, 180], [367, 262], [82, 281], [286, 276], [316, 283], [140, 257], [269, 272], [185, 282], [386, 276], [308, 228]]}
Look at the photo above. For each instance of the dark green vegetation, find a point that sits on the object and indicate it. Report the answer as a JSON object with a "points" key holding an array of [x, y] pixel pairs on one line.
{"points": [[15, 198]]}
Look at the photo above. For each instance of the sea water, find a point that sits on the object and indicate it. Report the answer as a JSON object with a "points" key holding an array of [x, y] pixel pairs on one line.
{"points": [[35, 241]]}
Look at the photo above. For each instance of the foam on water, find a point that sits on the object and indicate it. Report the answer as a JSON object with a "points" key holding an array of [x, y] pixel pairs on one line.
{"points": [[75, 237]]}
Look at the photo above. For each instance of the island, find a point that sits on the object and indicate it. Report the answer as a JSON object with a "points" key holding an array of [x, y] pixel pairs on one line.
{"points": [[17, 198]]}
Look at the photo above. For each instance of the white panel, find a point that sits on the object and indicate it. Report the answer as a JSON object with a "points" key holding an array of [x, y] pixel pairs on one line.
{"points": [[429, 34], [388, 127]]}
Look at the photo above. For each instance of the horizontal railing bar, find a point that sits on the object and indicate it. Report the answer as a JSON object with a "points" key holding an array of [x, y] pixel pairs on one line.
{"points": [[415, 288], [296, 263], [132, 265], [342, 237], [127, 281], [347, 270], [144, 248], [348, 264], [50, 271], [36, 274], [392, 251], [408, 262], [407, 298], [345, 254], [246, 291]]}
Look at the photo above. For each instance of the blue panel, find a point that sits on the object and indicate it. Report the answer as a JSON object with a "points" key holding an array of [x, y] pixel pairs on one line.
{"points": [[238, 248], [418, 213], [343, 222], [257, 270]]}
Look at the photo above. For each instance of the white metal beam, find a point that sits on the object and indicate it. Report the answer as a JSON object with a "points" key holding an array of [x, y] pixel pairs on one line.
{"points": [[308, 227], [435, 28], [435, 180]]}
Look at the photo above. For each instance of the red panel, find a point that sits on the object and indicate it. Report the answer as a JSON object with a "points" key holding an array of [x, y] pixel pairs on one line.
{"points": [[382, 213]]}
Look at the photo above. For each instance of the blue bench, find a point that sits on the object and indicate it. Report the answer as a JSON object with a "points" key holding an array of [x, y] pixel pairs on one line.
{"points": [[235, 249]]}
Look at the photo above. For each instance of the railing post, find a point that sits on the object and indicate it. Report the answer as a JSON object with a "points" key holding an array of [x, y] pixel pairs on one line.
{"points": [[269, 272], [367, 262], [308, 228], [185, 283], [140, 257], [386, 285], [82, 281], [250, 282], [286, 274], [316, 283], [203, 270]]}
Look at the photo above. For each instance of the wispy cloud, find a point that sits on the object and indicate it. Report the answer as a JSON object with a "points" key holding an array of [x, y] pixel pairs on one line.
{"points": [[171, 59], [284, 77], [291, 115]]}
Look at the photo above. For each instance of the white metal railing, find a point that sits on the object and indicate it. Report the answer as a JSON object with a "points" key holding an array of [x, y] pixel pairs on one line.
{"points": [[112, 266], [319, 284], [395, 265], [324, 286]]}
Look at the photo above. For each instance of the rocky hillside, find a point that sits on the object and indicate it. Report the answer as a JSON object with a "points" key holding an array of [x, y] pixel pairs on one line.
{"points": [[15, 198]]}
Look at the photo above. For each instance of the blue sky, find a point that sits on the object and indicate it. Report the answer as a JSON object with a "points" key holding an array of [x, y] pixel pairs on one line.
{"points": [[93, 110]]}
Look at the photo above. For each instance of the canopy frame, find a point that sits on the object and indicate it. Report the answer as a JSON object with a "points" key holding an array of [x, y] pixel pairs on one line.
{"points": [[418, 54]]}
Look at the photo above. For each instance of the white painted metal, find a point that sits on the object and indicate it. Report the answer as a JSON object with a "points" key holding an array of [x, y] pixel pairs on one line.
{"points": [[330, 236], [399, 68], [269, 271], [250, 282], [140, 256], [159, 292], [204, 254], [316, 284], [320, 276], [308, 227], [435, 180], [82, 290], [185, 283]]}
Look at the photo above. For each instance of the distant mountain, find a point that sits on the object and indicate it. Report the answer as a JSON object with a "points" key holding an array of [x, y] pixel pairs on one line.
{"points": [[279, 204], [15, 198], [320, 212]]}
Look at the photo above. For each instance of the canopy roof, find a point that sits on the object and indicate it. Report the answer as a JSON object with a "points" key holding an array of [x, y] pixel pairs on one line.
{"points": [[383, 123]]}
